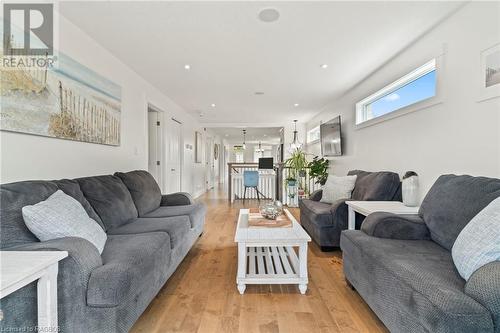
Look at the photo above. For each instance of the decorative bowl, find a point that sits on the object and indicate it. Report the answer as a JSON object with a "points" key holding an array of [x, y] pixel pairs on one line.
{"points": [[272, 210]]}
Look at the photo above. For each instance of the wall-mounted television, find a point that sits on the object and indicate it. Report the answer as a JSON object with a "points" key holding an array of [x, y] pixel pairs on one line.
{"points": [[331, 137]]}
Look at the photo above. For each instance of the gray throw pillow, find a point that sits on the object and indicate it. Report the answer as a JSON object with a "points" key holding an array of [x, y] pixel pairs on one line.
{"points": [[337, 188], [62, 216], [478, 243]]}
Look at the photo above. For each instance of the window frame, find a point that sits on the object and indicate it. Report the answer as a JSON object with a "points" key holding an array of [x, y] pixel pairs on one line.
{"points": [[316, 128], [361, 107]]}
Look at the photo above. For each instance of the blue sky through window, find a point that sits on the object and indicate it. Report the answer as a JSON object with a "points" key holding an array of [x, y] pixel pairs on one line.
{"points": [[422, 88]]}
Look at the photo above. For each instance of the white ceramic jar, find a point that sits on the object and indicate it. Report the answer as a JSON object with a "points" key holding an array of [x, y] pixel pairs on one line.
{"points": [[410, 189]]}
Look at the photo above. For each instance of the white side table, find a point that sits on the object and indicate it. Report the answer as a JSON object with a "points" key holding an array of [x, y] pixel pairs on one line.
{"points": [[368, 207], [20, 268]]}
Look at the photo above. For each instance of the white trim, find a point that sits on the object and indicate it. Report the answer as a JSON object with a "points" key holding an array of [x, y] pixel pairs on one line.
{"points": [[428, 67]]}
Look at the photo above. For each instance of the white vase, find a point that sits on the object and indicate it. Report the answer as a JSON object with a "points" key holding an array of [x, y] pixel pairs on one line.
{"points": [[410, 191]]}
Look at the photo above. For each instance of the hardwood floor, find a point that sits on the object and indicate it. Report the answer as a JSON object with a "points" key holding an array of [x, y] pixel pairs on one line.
{"points": [[201, 296]]}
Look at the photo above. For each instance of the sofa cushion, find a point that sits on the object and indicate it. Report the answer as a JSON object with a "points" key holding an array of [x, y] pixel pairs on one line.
{"points": [[319, 212], [129, 264], [196, 213], [144, 190], [175, 226], [426, 291], [379, 186], [60, 215], [478, 243], [72, 188], [13, 197], [337, 188], [453, 201], [110, 198]]}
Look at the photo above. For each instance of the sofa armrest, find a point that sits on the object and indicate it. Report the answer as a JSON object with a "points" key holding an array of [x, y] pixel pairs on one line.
{"points": [[82, 258], [72, 283], [484, 287], [340, 213], [316, 195], [388, 225], [176, 199]]}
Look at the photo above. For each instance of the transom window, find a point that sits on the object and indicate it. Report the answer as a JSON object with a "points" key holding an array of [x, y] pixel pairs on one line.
{"points": [[412, 88]]}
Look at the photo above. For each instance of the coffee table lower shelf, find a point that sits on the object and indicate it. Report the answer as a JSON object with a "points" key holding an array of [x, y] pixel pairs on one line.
{"points": [[271, 265]]}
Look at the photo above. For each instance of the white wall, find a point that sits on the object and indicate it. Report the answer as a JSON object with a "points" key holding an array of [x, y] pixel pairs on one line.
{"points": [[35, 157], [460, 135]]}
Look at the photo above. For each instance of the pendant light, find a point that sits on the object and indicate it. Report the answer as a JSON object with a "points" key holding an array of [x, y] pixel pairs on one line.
{"points": [[244, 135], [295, 145]]}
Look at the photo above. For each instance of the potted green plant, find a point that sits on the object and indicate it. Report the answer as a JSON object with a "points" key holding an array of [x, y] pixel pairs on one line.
{"points": [[318, 169], [297, 164], [291, 181]]}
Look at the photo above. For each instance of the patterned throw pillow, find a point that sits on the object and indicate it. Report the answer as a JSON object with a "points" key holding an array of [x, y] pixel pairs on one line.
{"points": [[338, 188], [62, 216], [479, 242]]}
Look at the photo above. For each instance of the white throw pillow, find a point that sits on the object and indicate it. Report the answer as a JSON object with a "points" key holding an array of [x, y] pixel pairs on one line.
{"points": [[338, 188], [479, 242], [62, 216]]}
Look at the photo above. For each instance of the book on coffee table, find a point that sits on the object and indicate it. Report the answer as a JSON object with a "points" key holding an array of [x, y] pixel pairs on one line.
{"points": [[255, 219]]}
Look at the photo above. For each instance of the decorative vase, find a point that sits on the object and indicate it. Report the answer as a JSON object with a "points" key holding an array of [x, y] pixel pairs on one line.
{"points": [[410, 189]]}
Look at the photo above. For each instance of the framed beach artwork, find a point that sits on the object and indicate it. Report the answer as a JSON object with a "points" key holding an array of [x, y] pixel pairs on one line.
{"points": [[490, 73], [68, 102], [197, 147]]}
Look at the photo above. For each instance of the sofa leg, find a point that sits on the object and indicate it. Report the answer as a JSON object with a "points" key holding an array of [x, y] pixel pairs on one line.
{"points": [[349, 284], [328, 248]]}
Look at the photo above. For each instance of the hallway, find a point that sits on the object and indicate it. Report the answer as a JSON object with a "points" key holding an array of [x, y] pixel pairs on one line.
{"points": [[201, 296]]}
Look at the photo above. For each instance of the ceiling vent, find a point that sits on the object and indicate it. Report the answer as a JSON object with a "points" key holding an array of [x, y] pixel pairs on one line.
{"points": [[269, 15]]}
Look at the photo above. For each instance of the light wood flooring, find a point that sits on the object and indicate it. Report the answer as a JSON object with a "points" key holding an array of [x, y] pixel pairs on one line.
{"points": [[201, 296]]}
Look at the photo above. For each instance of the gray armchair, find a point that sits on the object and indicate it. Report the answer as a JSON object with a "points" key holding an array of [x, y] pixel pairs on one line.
{"points": [[325, 221], [402, 265]]}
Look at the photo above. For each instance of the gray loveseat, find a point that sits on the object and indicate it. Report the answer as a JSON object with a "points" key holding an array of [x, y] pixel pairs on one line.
{"points": [[402, 265], [325, 221], [148, 236]]}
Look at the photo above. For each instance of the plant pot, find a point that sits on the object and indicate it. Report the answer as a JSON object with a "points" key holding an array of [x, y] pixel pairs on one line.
{"points": [[291, 182], [302, 173]]}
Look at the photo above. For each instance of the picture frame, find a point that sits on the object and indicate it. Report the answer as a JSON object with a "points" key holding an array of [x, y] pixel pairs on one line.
{"points": [[489, 78], [197, 148]]}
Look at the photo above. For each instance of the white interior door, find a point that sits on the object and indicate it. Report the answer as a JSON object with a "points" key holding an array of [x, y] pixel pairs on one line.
{"points": [[209, 163], [155, 146], [173, 144]]}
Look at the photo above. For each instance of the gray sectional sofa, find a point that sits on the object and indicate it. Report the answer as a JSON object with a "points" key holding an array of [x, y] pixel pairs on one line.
{"points": [[325, 221], [149, 234], [402, 265]]}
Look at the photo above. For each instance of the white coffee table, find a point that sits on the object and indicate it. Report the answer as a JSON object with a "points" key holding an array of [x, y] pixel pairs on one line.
{"points": [[20, 268], [267, 255], [367, 207]]}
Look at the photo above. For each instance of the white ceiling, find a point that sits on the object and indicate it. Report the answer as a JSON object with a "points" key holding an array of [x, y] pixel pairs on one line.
{"points": [[232, 54], [269, 135]]}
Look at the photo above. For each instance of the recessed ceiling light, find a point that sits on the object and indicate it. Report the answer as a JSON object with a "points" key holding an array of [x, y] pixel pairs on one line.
{"points": [[259, 93], [269, 15], [212, 105], [323, 66], [296, 104], [187, 66], [226, 135], [265, 134]]}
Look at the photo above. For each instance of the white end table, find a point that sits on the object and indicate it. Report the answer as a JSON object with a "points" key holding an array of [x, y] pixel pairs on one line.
{"points": [[270, 254], [20, 268], [368, 207]]}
